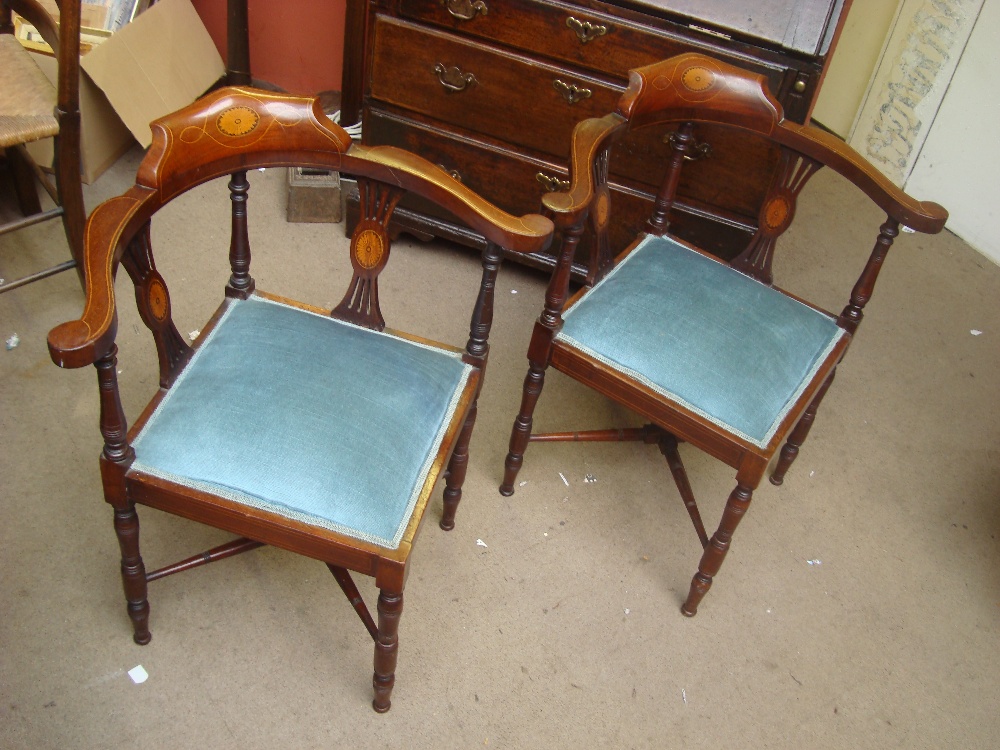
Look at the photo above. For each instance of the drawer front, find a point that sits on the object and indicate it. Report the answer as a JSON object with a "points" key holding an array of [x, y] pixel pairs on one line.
{"points": [[482, 89], [584, 37]]}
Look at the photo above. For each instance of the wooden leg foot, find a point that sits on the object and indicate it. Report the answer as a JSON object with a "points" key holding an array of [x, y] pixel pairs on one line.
{"points": [[718, 546], [790, 450], [390, 607], [133, 573], [521, 431], [457, 468]]}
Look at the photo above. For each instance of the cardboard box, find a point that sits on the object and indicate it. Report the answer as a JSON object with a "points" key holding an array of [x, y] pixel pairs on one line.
{"points": [[160, 62], [103, 136]]}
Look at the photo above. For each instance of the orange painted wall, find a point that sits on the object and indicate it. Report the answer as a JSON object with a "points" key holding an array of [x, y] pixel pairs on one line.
{"points": [[295, 44]]}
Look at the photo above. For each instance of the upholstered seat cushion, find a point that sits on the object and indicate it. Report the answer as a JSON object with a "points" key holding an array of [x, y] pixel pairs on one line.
{"points": [[27, 98], [307, 417], [725, 346]]}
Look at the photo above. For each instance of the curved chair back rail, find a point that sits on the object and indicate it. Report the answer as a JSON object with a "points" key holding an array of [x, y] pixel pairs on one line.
{"points": [[237, 129], [694, 88]]}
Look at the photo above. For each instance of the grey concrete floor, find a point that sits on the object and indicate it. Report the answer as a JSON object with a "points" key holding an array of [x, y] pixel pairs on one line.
{"points": [[859, 606]]}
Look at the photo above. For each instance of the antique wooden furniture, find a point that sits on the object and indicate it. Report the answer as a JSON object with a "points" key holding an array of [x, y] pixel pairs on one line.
{"points": [[321, 432], [491, 90], [31, 109], [713, 354]]}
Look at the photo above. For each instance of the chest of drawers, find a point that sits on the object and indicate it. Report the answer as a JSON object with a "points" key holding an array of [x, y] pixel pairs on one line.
{"points": [[491, 90]]}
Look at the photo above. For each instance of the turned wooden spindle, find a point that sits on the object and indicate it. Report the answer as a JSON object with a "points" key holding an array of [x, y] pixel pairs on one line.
{"points": [[241, 283], [683, 145], [853, 313]]}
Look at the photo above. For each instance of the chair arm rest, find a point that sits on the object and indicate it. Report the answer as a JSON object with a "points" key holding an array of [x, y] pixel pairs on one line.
{"points": [[922, 216], [530, 233], [82, 342], [590, 137]]}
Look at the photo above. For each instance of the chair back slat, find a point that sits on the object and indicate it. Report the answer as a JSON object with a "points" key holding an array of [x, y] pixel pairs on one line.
{"points": [[370, 244], [153, 301], [776, 213]]}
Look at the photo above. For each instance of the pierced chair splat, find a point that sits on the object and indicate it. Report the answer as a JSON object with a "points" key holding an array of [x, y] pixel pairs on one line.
{"points": [[318, 431], [711, 353]]}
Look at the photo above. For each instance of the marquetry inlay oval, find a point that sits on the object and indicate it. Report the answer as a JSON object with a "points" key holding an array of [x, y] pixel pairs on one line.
{"points": [[776, 212], [238, 121], [368, 248], [602, 209], [697, 78], [158, 300]]}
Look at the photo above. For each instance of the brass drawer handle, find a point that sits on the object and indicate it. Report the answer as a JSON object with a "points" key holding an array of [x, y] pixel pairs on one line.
{"points": [[571, 92], [585, 30], [451, 172], [465, 10], [552, 184], [453, 79], [701, 150]]}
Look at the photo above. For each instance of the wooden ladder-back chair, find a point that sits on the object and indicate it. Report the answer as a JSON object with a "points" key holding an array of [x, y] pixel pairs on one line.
{"points": [[318, 431], [31, 109], [712, 354]]}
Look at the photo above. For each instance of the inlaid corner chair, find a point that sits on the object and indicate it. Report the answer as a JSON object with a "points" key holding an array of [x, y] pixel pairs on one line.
{"points": [[31, 109], [711, 353], [319, 431]]}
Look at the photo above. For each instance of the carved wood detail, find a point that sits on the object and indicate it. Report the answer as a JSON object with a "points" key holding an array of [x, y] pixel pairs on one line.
{"points": [[370, 245], [153, 301], [776, 214]]}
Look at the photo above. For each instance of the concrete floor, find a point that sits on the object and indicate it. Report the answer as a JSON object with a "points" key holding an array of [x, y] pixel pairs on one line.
{"points": [[859, 607]]}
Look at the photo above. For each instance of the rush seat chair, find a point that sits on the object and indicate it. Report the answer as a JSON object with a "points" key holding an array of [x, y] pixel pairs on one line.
{"points": [[318, 431], [711, 353], [32, 109]]}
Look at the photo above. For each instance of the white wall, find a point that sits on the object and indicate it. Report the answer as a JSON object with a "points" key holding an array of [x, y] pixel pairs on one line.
{"points": [[959, 164]]}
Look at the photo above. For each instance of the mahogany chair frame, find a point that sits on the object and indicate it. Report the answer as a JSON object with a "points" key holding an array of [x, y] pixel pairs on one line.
{"points": [[227, 133], [684, 92], [67, 192]]}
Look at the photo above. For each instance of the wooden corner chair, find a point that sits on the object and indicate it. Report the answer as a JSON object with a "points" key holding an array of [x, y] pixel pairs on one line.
{"points": [[711, 353], [30, 110], [318, 431]]}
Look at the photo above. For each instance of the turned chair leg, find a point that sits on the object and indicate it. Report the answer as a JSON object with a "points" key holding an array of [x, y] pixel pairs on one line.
{"points": [[133, 572], [457, 467], [790, 450], [521, 432], [718, 546], [390, 607]]}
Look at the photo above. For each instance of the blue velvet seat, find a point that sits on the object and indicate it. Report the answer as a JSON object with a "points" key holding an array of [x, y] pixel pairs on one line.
{"points": [[704, 335], [307, 417]]}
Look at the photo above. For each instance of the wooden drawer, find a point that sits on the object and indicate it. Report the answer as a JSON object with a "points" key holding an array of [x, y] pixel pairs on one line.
{"points": [[507, 97], [614, 43], [509, 89]]}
